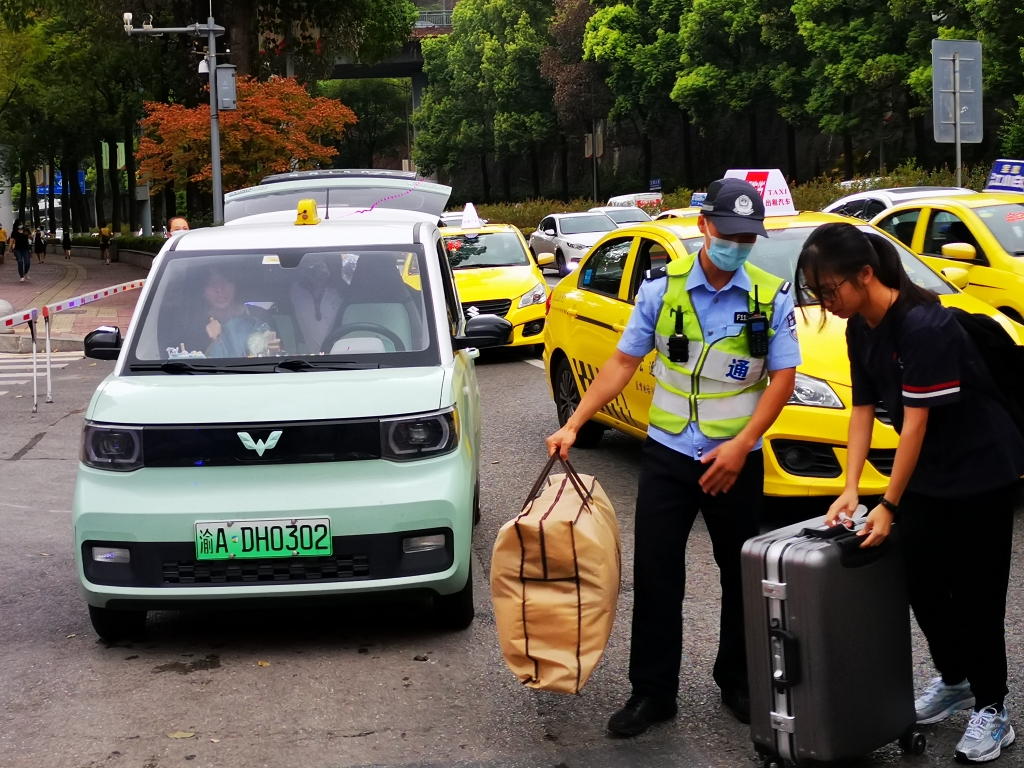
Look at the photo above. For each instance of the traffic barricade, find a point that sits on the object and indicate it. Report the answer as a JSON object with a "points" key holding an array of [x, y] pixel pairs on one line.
{"points": [[67, 304], [26, 317]]}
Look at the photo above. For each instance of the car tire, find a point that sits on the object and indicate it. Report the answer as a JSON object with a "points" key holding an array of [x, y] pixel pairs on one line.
{"points": [[456, 612], [567, 399], [115, 625], [560, 263]]}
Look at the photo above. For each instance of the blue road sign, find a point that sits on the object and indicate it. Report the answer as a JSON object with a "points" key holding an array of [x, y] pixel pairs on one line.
{"points": [[1006, 176], [58, 187]]}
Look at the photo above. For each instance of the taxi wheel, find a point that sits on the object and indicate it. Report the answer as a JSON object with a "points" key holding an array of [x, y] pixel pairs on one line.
{"points": [[117, 625], [563, 268], [567, 399], [456, 611]]}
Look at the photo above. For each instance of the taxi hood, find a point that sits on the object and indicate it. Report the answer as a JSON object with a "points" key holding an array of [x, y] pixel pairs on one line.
{"points": [[481, 284], [261, 397]]}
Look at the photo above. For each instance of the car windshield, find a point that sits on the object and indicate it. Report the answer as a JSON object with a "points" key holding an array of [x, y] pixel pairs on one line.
{"points": [[779, 252], [627, 215], [252, 311], [1006, 223], [497, 249], [578, 225]]}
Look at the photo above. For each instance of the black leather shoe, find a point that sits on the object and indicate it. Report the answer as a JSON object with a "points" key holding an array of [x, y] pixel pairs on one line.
{"points": [[639, 714], [738, 704]]}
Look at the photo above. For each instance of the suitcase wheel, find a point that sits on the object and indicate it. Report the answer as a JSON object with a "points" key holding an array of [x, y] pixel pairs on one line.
{"points": [[913, 742], [773, 761]]}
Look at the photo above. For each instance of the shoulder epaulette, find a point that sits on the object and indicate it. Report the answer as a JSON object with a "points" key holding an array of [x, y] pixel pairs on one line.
{"points": [[655, 274], [785, 287]]}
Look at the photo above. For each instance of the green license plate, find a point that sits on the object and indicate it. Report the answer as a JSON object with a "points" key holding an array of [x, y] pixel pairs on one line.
{"points": [[241, 539]]}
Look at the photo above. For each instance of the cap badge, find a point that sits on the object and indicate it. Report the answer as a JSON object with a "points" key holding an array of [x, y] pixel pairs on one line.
{"points": [[744, 206]]}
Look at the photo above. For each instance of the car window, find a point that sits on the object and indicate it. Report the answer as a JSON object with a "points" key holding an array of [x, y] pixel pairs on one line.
{"points": [[650, 255], [1006, 223], [901, 225], [852, 208], [363, 304], [602, 273], [592, 222], [872, 208], [945, 227], [547, 223], [451, 296], [495, 249]]}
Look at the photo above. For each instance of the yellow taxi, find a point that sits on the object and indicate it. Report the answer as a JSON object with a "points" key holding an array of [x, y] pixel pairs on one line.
{"points": [[497, 275], [977, 241], [805, 450]]}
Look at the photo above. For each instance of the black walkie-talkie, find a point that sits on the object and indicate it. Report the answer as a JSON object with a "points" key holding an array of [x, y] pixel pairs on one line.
{"points": [[678, 344], [757, 330]]}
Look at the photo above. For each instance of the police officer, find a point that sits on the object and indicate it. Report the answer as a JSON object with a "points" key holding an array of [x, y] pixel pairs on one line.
{"points": [[725, 334]]}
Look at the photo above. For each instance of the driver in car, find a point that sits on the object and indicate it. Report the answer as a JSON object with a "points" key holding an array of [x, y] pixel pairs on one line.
{"points": [[232, 329]]}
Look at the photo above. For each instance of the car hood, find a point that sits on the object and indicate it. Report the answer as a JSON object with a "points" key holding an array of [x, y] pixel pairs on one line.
{"points": [[265, 397], [824, 349], [584, 238], [495, 283]]}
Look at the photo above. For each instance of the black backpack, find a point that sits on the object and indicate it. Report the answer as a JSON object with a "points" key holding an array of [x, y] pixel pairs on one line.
{"points": [[1003, 358]]}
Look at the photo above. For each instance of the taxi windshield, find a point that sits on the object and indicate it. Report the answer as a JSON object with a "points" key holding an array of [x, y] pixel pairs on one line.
{"points": [[595, 222], [779, 252], [1006, 223], [497, 249], [255, 311]]}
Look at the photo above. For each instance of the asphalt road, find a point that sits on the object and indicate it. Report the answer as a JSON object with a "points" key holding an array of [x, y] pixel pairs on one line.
{"points": [[369, 686]]}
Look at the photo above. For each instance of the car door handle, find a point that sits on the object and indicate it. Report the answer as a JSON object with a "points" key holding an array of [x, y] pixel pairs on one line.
{"points": [[618, 328], [571, 312]]}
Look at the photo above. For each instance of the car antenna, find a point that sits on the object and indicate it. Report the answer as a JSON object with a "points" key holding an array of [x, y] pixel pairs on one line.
{"points": [[328, 214]]}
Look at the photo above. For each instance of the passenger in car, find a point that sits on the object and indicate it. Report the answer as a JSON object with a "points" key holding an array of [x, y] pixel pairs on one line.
{"points": [[234, 330], [315, 301]]}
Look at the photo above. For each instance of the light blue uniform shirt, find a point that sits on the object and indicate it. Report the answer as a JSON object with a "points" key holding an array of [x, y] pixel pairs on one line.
{"points": [[717, 313]]}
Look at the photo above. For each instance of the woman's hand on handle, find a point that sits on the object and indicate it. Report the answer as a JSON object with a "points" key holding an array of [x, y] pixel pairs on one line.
{"points": [[846, 504], [561, 441], [876, 527]]}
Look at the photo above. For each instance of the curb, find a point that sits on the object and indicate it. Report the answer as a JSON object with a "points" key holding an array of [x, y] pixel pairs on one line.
{"points": [[21, 344]]}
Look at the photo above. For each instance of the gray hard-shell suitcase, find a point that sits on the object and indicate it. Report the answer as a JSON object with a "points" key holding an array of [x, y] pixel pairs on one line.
{"points": [[828, 645]]}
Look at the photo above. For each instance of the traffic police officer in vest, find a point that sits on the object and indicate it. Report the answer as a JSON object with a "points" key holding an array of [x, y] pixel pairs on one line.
{"points": [[726, 363]]}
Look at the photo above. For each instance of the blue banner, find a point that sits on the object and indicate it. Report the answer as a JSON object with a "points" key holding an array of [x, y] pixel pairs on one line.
{"points": [[1006, 176], [697, 199], [58, 188]]}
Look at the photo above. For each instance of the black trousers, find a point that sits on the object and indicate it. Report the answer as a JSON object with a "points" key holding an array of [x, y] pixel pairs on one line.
{"points": [[668, 500], [958, 570]]}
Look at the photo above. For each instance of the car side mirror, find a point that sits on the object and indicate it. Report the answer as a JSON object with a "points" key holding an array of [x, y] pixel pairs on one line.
{"points": [[960, 251], [545, 258], [958, 276], [484, 331], [549, 232], [104, 343]]}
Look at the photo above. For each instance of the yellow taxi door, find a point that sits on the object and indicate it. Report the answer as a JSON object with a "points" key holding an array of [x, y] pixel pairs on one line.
{"points": [[601, 312]]}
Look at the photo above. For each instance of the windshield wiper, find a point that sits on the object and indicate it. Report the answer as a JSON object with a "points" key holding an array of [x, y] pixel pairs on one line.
{"points": [[296, 364], [177, 366]]}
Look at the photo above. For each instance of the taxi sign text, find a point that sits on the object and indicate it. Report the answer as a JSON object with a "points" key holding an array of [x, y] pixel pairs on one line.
{"points": [[771, 185], [1006, 176]]}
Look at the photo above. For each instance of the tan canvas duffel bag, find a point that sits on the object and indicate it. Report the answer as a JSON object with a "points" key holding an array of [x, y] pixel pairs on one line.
{"points": [[555, 576]]}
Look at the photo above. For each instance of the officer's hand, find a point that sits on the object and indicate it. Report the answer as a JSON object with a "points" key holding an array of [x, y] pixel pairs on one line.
{"points": [[728, 459], [876, 527], [561, 441], [846, 504]]}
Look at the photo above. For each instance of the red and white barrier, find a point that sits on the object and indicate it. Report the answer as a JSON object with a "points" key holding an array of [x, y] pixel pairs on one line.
{"points": [[64, 305], [28, 317]]}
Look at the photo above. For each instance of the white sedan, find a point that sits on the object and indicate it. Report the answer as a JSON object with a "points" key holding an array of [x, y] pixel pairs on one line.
{"points": [[569, 236]]}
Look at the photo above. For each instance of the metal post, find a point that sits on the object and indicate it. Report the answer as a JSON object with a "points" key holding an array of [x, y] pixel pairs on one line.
{"points": [[211, 62], [35, 368], [46, 323], [956, 115], [593, 155]]}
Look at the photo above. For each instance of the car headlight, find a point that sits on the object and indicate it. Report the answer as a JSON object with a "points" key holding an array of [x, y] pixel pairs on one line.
{"points": [[419, 437], [577, 246], [536, 295], [111, 447], [814, 392]]}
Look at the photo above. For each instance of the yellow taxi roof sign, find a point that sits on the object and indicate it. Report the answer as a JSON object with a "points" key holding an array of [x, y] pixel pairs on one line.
{"points": [[771, 185], [307, 213]]}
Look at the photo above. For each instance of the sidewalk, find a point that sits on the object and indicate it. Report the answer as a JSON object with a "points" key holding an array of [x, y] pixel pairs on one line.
{"points": [[62, 279]]}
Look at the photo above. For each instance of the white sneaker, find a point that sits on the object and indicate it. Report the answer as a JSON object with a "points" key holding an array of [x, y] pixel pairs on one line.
{"points": [[986, 735], [939, 701]]}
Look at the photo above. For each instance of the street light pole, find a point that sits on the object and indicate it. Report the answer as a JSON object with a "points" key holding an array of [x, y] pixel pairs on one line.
{"points": [[211, 31]]}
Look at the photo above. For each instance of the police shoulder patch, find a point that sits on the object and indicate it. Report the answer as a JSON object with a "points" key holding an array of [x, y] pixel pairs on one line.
{"points": [[655, 274]]}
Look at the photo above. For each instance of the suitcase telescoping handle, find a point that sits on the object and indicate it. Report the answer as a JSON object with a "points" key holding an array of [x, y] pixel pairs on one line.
{"points": [[571, 473], [851, 555]]}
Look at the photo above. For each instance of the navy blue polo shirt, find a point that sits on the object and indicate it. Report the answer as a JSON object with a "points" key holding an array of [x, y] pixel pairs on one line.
{"points": [[920, 357]]}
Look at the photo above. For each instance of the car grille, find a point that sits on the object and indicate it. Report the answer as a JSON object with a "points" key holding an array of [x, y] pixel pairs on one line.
{"points": [[499, 307], [882, 459], [267, 570]]}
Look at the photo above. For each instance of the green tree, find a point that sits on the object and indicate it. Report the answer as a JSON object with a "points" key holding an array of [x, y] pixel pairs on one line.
{"points": [[381, 108]]}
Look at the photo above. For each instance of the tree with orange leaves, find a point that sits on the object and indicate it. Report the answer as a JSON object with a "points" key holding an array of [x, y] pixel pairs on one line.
{"points": [[278, 127]]}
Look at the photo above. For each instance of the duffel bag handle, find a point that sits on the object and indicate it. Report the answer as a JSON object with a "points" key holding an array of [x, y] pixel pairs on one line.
{"points": [[570, 473]]}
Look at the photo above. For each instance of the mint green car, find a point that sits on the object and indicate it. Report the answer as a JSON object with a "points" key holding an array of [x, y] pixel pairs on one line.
{"points": [[290, 418]]}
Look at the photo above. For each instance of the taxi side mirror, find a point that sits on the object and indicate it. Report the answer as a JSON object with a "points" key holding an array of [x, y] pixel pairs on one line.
{"points": [[104, 343], [545, 258], [957, 276], [484, 331], [960, 251]]}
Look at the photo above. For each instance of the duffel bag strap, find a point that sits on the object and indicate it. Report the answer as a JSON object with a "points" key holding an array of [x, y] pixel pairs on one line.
{"points": [[570, 472]]}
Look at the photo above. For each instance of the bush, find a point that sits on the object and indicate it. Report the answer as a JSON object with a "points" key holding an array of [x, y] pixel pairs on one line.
{"points": [[128, 242]]}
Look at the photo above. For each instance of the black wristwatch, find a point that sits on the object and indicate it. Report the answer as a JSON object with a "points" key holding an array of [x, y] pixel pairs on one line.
{"points": [[884, 502]]}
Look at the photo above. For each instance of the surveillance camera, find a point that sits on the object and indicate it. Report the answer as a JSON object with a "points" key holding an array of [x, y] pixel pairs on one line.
{"points": [[127, 19]]}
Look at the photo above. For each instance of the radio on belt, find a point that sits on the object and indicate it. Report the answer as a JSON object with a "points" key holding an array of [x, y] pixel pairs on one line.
{"points": [[678, 344], [757, 330]]}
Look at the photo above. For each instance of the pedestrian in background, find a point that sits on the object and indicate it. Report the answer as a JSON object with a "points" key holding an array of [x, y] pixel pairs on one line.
{"points": [[40, 244], [4, 237], [178, 224], [22, 247], [66, 243], [953, 479], [736, 377], [105, 235]]}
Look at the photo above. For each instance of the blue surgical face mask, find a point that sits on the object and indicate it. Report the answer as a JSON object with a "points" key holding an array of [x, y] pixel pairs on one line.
{"points": [[727, 255]]}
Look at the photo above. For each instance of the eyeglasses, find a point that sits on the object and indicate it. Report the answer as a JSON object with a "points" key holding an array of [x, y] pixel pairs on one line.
{"points": [[825, 295]]}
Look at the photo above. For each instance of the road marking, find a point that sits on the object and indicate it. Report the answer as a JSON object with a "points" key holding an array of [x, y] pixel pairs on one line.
{"points": [[535, 363], [12, 378], [3, 391]]}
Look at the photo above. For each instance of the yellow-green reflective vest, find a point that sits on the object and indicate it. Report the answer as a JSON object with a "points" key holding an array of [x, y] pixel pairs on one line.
{"points": [[721, 384]]}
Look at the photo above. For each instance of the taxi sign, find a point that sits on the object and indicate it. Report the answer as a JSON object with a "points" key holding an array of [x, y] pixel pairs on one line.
{"points": [[1006, 176], [697, 199], [470, 218], [307, 213], [771, 185]]}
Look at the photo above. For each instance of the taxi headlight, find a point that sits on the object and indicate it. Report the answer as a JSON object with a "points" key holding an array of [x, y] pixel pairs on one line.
{"points": [[814, 392], [419, 437], [111, 447], [536, 295]]}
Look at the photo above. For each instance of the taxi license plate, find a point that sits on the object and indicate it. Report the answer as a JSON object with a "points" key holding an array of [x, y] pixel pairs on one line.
{"points": [[242, 539]]}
